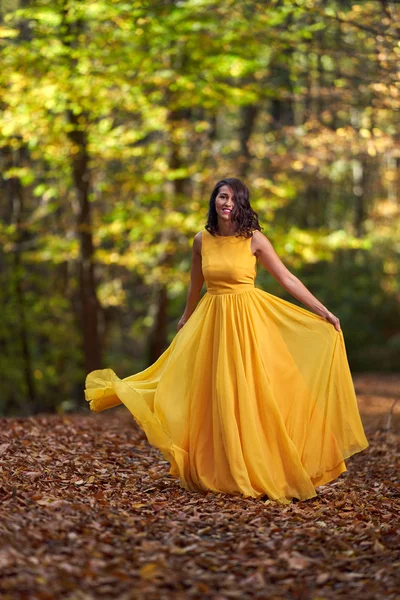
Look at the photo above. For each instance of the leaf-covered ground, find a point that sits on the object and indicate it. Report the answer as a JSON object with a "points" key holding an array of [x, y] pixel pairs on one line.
{"points": [[89, 511]]}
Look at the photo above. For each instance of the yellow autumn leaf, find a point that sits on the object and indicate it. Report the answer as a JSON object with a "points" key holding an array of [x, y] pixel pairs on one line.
{"points": [[149, 571]]}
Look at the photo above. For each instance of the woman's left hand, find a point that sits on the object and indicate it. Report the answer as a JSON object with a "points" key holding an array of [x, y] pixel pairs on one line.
{"points": [[332, 319]]}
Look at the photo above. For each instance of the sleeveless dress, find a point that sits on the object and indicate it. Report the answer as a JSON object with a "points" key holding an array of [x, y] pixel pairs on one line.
{"points": [[253, 396]]}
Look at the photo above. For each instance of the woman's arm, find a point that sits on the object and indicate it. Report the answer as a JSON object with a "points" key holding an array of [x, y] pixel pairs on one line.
{"points": [[263, 249], [196, 281]]}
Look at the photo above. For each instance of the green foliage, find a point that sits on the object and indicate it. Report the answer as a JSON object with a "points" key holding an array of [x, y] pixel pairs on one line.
{"points": [[298, 98]]}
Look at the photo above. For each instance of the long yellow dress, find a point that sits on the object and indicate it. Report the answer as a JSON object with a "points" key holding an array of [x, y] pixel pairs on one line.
{"points": [[253, 396]]}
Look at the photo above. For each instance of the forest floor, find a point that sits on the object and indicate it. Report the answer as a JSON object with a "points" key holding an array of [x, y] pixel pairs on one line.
{"points": [[89, 511]]}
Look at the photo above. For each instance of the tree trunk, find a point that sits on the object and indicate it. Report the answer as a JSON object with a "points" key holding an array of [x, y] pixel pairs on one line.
{"points": [[16, 196], [248, 116], [158, 339], [358, 172], [89, 304]]}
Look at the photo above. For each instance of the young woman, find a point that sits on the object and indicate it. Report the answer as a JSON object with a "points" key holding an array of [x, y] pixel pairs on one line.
{"points": [[254, 395]]}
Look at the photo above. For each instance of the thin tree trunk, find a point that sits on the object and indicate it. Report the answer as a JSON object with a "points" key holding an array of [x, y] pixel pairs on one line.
{"points": [[358, 172], [89, 304], [17, 206], [158, 342], [248, 116], [159, 310]]}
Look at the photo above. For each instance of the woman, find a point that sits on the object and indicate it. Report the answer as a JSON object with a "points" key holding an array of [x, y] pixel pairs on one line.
{"points": [[254, 395]]}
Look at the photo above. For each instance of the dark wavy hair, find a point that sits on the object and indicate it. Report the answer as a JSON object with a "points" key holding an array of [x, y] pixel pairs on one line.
{"points": [[245, 218]]}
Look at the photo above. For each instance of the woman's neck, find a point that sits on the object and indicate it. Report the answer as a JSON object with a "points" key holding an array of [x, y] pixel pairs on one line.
{"points": [[226, 229]]}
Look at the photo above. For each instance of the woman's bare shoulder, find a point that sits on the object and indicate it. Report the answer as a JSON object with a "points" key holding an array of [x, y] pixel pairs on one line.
{"points": [[197, 239], [260, 243], [258, 236]]}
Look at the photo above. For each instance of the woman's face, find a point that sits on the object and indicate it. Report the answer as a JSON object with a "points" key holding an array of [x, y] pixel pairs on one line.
{"points": [[224, 203]]}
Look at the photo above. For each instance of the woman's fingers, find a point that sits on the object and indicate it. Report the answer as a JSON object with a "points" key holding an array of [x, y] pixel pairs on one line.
{"points": [[334, 320]]}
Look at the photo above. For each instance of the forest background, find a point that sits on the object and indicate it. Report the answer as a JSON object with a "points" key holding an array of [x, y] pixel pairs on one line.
{"points": [[117, 119]]}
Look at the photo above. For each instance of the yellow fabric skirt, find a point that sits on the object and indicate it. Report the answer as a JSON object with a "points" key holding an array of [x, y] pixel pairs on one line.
{"points": [[254, 396]]}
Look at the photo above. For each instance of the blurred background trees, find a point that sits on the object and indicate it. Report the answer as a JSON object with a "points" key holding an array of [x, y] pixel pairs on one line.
{"points": [[117, 119]]}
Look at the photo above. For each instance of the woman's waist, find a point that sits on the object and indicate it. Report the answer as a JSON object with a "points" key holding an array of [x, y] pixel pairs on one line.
{"points": [[229, 288]]}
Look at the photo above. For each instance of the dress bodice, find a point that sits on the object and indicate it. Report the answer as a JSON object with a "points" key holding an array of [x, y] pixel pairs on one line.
{"points": [[228, 264]]}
